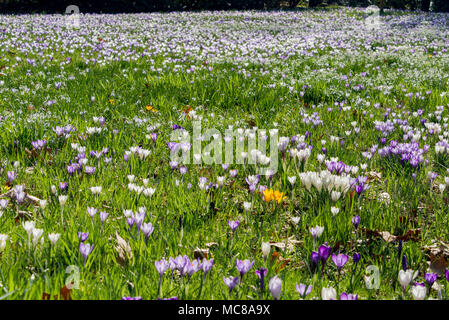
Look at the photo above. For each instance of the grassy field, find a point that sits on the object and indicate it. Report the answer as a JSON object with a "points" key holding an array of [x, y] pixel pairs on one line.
{"points": [[88, 116]]}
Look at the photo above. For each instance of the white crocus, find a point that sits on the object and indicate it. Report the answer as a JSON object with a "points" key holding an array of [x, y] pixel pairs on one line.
{"points": [[328, 294]]}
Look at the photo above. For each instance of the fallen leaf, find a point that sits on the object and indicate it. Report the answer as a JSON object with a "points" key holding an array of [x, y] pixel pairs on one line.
{"points": [[66, 293], [123, 249], [201, 253]]}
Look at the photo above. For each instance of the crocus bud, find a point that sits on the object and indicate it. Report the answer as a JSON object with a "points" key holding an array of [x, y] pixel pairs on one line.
{"points": [[275, 287], [266, 249], [328, 294]]}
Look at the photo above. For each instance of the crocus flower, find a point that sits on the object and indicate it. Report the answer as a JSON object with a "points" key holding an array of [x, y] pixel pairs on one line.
{"points": [[405, 277], [356, 257], [304, 290], [207, 265], [316, 232], [83, 236], [233, 225], [419, 291], [54, 237], [404, 262], [147, 229], [103, 216], [339, 260], [328, 294], [91, 212], [430, 278], [11, 176], [161, 266], [243, 266], [275, 286], [350, 296], [86, 250], [231, 282], [355, 221], [323, 254], [261, 273], [314, 258], [446, 273], [266, 248]]}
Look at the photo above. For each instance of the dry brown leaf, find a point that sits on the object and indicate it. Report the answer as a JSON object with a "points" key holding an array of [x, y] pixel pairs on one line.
{"points": [[288, 246], [201, 253], [411, 235], [123, 249]]}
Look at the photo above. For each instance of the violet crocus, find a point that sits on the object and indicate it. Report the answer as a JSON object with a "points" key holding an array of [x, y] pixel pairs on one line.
{"points": [[207, 266], [82, 236], [103, 216], [304, 290], [323, 254], [340, 261], [348, 296], [261, 273], [233, 225], [11, 175], [147, 229], [243, 266], [161, 266], [404, 262], [355, 221], [86, 250], [430, 278], [91, 212], [153, 136], [231, 282], [315, 258], [356, 257], [63, 186]]}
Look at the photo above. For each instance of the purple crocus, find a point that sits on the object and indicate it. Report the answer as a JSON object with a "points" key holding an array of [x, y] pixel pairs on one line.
{"points": [[207, 265], [103, 216], [153, 136], [147, 229], [323, 254], [86, 250], [63, 186], [261, 273], [243, 266], [339, 260], [404, 262], [355, 221], [231, 282], [11, 175], [315, 258], [304, 290], [83, 236], [233, 225], [356, 257], [161, 266], [430, 278], [91, 212], [348, 296]]}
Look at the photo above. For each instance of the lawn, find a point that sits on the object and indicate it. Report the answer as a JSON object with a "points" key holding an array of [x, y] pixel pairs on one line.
{"points": [[116, 180]]}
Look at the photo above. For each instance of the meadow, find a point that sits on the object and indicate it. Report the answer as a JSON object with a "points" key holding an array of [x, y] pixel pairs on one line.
{"points": [[94, 206]]}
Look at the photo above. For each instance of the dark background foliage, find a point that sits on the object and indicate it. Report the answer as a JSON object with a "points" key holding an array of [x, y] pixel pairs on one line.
{"points": [[125, 6]]}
